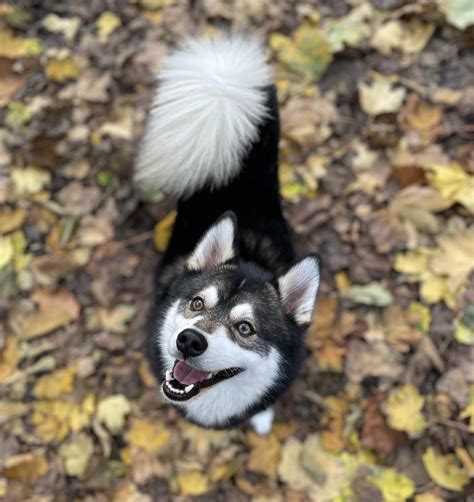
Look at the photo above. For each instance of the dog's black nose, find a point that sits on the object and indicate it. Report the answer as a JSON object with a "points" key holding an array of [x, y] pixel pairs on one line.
{"points": [[191, 343]]}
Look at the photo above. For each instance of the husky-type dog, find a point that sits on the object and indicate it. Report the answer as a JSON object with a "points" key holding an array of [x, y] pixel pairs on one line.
{"points": [[232, 304]]}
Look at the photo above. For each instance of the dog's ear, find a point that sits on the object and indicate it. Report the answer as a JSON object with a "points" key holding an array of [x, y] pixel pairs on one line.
{"points": [[298, 288], [216, 246]]}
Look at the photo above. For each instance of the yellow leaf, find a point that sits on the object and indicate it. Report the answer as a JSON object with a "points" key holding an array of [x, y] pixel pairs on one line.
{"points": [[9, 357], [26, 467], [15, 47], [107, 23], [116, 319], [463, 333], [444, 471], [408, 37], [112, 411], [466, 460], [393, 485], [423, 314], [193, 483], [380, 96], [55, 384], [265, 454], [148, 435], [29, 180], [468, 411], [454, 259], [306, 52], [53, 420], [428, 497], [68, 26], [6, 251], [10, 219], [76, 453], [403, 409], [454, 184], [162, 231], [61, 70]]}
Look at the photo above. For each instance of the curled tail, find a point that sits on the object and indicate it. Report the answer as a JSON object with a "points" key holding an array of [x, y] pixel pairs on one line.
{"points": [[206, 113]]}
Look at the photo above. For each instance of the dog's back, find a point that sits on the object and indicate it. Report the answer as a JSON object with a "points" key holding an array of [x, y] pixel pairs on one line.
{"points": [[212, 141]]}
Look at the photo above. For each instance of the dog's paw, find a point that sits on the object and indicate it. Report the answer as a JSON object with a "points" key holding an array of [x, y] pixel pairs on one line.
{"points": [[262, 422]]}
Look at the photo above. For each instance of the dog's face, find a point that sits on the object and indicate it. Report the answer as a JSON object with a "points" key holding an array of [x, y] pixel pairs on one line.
{"points": [[230, 335]]}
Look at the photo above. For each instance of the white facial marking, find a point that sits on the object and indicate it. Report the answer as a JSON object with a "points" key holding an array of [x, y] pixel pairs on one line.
{"points": [[215, 248], [262, 422], [241, 311], [216, 404], [211, 296]]}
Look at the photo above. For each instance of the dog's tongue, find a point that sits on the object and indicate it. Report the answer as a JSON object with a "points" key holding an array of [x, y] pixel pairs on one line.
{"points": [[186, 374]]}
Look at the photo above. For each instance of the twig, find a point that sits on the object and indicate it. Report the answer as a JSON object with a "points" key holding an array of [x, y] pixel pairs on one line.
{"points": [[451, 423]]}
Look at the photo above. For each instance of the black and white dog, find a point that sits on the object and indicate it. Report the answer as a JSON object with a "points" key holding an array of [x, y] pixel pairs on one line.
{"points": [[232, 304]]}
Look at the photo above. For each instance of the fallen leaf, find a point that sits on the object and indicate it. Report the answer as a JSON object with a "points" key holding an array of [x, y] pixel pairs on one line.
{"points": [[10, 410], [15, 47], [26, 467], [147, 434], [29, 180], [67, 26], [306, 52], [349, 30], [106, 24], [193, 483], [458, 12], [6, 251], [116, 319], [454, 184], [76, 454], [9, 358], [264, 455], [408, 37], [61, 70], [369, 294], [403, 410], [468, 411], [10, 219], [444, 471], [162, 231], [112, 411], [55, 384], [380, 96], [393, 485]]}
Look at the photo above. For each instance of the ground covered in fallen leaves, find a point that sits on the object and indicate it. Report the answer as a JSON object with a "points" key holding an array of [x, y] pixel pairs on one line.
{"points": [[377, 177]]}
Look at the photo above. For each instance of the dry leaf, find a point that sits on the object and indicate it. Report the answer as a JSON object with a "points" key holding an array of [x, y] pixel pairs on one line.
{"points": [[61, 70], [76, 454], [29, 180], [393, 485], [265, 454], [380, 96], [112, 411], [10, 219], [55, 384], [116, 320], [444, 471], [106, 24], [9, 358], [162, 231], [68, 26], [147, 434], [403, 410], [193, 483], [26, 467]]}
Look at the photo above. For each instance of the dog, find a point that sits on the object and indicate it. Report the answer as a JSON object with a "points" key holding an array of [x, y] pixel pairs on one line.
{"points": [[232, 304]]}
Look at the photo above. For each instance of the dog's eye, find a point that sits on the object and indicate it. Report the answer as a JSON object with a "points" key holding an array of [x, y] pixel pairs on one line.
{"points": [[245, 328], [197, 303]]}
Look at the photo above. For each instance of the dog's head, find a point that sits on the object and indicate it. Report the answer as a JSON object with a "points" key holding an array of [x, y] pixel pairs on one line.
{"points": [[230, 334]]}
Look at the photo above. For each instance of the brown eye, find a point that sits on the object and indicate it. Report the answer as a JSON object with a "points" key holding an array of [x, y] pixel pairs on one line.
{"points": [[197, 303], [245, 328]]}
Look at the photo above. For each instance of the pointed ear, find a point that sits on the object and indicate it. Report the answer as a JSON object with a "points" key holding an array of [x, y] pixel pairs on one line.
{"points": [[216, 246], [298, 289]]}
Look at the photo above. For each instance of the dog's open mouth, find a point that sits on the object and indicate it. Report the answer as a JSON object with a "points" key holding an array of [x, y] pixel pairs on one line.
{"points": [[183, 382]]}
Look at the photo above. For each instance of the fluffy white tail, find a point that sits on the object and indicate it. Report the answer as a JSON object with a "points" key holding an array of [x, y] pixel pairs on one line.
{"points": [[206, 113]]}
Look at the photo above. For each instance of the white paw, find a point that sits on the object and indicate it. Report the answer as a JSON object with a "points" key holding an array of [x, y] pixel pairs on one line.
{"points": [[262, 422]]}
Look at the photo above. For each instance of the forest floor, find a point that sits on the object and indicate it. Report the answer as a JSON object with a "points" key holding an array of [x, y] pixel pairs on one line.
{"points": [[377, 174]]}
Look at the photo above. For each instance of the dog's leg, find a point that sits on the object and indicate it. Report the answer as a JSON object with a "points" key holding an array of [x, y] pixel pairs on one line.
{"points": [[262, 422]]}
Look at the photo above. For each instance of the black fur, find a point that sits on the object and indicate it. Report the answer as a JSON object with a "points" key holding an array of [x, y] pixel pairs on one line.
{"points": [[264, 251]]}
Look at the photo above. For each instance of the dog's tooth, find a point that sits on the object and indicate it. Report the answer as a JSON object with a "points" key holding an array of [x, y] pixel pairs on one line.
{"points": [[189, 388], [169, 375]]}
